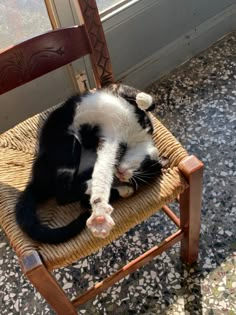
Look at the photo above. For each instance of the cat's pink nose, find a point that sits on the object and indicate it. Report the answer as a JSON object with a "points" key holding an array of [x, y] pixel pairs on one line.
{"points": [[121, 174]]}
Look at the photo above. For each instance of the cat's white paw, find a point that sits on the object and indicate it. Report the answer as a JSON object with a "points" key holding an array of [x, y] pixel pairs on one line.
{"points": [[100, 222], [144, 100], [125, 191]]}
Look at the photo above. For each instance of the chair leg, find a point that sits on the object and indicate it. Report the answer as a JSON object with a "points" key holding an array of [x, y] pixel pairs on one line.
{"points": [[190, 208], [46, 284]]}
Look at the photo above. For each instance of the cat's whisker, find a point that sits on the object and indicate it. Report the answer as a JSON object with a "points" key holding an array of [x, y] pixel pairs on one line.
{"points": [[139, 178], [143, 174], [144, 181], [151, 174], [140, 174], [136, 184], [146, 177], [148, 174]]}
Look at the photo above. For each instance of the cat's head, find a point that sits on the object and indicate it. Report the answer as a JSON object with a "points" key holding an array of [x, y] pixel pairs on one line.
{"points": [[139, 164]]}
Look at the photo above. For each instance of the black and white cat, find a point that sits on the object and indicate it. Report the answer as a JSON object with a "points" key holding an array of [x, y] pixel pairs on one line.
{"points": [[94, 148]]}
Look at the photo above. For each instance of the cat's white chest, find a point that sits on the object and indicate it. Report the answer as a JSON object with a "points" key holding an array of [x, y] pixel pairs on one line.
{"points": [[113, 114]]}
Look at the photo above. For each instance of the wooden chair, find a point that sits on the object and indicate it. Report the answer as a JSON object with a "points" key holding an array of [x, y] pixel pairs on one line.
{"points": [[182, 180]]}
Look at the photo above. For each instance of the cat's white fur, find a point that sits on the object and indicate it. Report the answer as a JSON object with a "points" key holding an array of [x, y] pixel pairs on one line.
{"points": [[143, 100], [115, 116]]}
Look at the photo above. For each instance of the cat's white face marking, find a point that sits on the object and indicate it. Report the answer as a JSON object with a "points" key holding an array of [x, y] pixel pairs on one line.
{"points": [[132, 160]]}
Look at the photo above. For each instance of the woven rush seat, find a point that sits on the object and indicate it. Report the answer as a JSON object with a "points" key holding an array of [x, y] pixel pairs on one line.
{"points": [[17, 152]]}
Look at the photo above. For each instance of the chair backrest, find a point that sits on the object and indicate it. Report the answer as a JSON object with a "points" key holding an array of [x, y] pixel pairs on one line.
{"points": [[37, 56]]}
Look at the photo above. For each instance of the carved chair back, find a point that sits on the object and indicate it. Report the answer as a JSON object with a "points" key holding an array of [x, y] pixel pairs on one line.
{"points": [[37, 56], [42, 54]]}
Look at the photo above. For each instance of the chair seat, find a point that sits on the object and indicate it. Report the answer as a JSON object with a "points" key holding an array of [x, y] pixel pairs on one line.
{"points": [[17, 152]]}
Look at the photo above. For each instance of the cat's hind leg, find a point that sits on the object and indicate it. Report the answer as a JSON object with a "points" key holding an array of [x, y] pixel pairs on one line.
{"points": [[144, 100]]}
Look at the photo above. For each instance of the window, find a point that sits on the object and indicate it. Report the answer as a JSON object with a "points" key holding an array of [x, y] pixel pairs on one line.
{"points": [[21, 19], [107, 4]]}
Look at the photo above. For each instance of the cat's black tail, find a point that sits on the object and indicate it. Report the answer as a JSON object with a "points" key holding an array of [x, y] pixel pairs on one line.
{"points": [[26, 216]]}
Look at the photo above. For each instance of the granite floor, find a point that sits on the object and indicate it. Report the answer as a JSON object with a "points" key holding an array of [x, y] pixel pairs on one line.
{"points": [[197, 102]]}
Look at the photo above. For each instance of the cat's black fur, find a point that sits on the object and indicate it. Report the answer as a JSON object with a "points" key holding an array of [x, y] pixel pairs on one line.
{"points": [[129, 93], [59, 150]]}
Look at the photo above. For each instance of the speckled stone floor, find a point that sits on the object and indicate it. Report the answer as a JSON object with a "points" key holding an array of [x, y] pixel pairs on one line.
{"points": [[197, 102]]}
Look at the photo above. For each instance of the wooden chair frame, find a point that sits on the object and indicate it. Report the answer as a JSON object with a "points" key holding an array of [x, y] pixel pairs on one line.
{"points": [[189, 201]]}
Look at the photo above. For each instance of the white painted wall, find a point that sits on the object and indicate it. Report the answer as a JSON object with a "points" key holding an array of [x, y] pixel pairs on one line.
{"points": [[145, 33]]}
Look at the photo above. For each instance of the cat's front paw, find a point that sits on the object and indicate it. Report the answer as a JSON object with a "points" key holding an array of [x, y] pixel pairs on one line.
{"points": [[100, 222], [144, 100], [125, 191]]}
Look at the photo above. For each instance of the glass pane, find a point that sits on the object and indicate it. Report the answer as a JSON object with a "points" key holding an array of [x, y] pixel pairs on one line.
{"points": [[22, 19], [107, 4]]}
